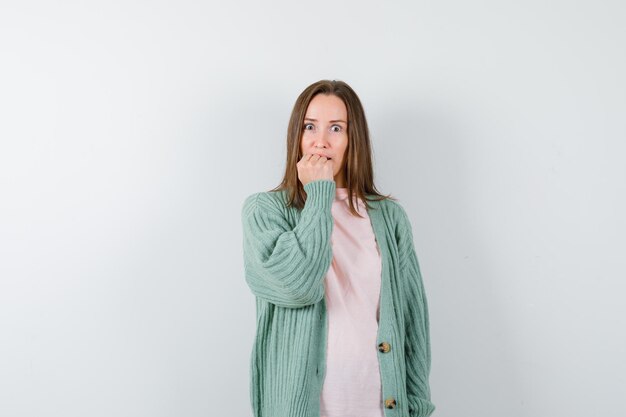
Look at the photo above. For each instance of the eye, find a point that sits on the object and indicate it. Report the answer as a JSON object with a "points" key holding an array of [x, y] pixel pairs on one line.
{"points": [[338, 127], [307, 124]]}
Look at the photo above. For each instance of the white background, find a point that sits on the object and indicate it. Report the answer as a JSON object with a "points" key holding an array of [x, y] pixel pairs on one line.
{"points": [[131, 132]]}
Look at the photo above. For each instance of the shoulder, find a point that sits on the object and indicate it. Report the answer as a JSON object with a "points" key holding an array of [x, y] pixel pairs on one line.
{"points": [[398, 220], [393, 205], [263, 201], [394, 211]]}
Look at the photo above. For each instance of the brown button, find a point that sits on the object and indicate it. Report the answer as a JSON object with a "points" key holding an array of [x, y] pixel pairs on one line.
{"points": [[390, 402], [384, 347]]}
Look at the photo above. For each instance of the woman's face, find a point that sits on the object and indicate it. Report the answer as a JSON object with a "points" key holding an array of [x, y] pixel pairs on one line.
{"points": [[325, 131]]}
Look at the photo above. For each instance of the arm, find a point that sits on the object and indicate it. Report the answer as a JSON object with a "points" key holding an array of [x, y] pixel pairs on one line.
{"points": [[287, 266], [417, 341]]}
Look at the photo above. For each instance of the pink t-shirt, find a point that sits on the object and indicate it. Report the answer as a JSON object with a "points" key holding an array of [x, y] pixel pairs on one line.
{"points": [[352, 384]]}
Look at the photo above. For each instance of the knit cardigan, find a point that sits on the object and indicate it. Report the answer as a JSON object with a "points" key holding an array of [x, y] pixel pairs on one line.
{"points": [[287, 253]]}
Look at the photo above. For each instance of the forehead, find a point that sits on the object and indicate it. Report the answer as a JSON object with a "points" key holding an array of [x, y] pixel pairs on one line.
{"points": [[327, 107]]}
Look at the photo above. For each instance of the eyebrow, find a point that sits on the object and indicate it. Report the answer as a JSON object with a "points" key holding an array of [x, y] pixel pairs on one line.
{"points": [[332, 121]]}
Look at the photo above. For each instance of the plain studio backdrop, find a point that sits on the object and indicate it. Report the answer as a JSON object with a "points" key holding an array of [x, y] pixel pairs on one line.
{"points": [[131, 132]]}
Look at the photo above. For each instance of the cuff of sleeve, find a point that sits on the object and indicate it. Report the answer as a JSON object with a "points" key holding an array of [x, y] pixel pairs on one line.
{"points": [[320, 194]]}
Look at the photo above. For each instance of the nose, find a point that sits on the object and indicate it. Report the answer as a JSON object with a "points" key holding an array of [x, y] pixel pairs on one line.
{"points": [[321, 140]]}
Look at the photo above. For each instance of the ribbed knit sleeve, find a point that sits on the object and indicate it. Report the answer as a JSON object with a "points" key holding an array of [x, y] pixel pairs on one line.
{"points": [[286, 265], [417, 341]]}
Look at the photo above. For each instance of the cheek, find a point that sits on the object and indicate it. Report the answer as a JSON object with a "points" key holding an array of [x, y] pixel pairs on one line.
{"points": [[344, 150], [304, 140]]}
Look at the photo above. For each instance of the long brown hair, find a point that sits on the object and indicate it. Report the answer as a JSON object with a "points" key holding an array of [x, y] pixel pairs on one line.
{"points": [[357, 161]]}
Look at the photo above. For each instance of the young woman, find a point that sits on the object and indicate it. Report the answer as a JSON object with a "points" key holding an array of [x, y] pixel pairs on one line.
{"points": [[342, 314]]}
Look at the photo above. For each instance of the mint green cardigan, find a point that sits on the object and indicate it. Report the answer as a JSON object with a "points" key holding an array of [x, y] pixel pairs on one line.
{"points": [[287, 253]]}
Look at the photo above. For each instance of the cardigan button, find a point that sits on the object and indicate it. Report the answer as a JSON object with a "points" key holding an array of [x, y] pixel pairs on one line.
{"points": [[384, 347], [390, 402]]}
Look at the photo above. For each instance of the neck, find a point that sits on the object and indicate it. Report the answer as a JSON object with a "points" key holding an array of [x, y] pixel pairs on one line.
{"points": [[339, 181]]}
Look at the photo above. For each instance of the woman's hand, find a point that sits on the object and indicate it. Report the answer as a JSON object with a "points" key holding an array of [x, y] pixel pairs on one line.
{"points": [[315, 167]]}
